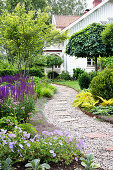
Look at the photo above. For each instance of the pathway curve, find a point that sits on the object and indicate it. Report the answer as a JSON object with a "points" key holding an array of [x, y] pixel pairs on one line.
{"points": [[97, 136]]}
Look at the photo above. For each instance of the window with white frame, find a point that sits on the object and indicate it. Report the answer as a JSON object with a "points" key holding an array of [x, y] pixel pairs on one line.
{"points": [[90, 62]]}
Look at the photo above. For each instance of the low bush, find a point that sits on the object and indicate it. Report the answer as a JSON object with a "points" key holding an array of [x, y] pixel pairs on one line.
{"points": [[84, 80], [77, 72], [39, 72], [8, 123], [48, 146], [65, 76], [52, 74], [46, 92], [85, 100], [102, 110], [102, 84], [92, 74]]}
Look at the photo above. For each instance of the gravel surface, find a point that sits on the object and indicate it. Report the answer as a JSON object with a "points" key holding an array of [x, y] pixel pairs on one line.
{"points": [[97, 136]]}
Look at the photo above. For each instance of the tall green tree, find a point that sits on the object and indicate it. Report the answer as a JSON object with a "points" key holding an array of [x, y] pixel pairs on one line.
{"points": [[67, 7], [29, 4], [25, 35], [88, 43], [107, 35]]}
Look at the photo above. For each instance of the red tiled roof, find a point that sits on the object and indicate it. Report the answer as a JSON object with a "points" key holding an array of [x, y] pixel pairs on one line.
{"points": [[63, 21]]}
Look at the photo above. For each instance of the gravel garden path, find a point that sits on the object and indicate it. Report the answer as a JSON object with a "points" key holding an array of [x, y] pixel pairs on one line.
{"points": [[97, 136]]}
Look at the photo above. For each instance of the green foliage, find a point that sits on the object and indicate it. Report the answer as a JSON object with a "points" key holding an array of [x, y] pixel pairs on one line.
{"points": [[54, 60], [53, 88], [88, 163], [107, 35], [106, 102], [65, 75], [92, 74], [84, 80], [102, 84], [68, 7], [77, 72], [7, 164], [48, 146], [102, 110], [85, 100], [23, 34], [39, 72], [35, 165], [28, 128], [51, 73], [21, 111], [29, 4], [8, 123], [105, 62], [88, 42], [46, 92]]}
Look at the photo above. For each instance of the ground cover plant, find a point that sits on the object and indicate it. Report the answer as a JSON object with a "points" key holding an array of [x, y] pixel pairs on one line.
{"points": [[48, 146]]}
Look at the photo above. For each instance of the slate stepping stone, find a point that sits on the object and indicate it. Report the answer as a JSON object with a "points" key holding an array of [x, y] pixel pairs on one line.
{"points": [[67, 120], [110, 148], [95, 135]]}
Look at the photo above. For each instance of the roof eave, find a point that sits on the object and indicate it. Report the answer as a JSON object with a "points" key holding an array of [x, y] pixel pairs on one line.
{"points": [[85, 15]]}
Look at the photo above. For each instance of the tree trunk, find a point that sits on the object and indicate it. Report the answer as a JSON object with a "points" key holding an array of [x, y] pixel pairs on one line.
{"points": [[53, 72], [95, 63]]}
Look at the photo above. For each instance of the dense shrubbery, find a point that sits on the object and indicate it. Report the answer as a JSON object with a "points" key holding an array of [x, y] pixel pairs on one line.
{"points": [[84, 80], [77, 72], [65, 76], [52, 74], [39, 72], [43, 88], [102, 84]]}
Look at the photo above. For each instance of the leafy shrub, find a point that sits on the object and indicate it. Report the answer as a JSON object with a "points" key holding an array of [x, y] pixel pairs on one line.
{"points": [[102, 84], [92, 74], [52, 74], [28, 128], [77, 72], [10, 72], [106, 102], [84, 80], [39, 72], [65, 76], [47, 92], [48, 146], [53, 88], [85, 100], [8, 123], [102, 110]]}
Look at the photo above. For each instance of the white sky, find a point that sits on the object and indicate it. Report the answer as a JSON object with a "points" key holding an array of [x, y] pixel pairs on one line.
{"points": [[90, 3]]}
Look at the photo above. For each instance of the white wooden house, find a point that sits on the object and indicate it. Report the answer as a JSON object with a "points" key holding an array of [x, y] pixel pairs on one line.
{"points": [[102, 12]]}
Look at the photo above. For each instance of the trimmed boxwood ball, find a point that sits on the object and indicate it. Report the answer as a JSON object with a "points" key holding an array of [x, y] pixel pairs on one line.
{"points": [[84, 80], [102, 84]]}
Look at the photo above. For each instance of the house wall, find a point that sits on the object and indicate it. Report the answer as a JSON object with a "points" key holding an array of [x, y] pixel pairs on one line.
{"points": [[102, 13]]}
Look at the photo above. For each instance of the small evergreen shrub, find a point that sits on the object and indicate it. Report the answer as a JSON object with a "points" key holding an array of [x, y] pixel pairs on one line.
{"points": [[92, 74], [77, 72], [102, 84], [65, 76], [52, 74], [84, 80]]}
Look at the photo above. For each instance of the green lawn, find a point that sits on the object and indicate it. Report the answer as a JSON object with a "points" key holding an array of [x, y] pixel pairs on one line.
{"points": [[74, 84]]}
